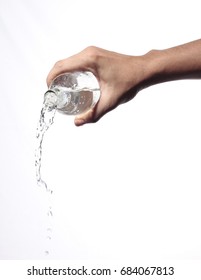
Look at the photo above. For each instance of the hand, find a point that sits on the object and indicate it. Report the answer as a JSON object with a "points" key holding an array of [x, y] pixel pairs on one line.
{"points": [[119, 76]]}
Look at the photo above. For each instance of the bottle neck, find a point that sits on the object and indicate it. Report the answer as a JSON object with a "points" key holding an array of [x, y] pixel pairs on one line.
{"points": [[57, 98]]}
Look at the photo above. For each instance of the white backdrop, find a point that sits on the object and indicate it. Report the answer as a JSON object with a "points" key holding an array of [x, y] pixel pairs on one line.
{"points": [[125, 187]]}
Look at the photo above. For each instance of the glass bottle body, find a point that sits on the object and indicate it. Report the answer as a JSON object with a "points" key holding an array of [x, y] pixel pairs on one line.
{"points": [[73, 93]]}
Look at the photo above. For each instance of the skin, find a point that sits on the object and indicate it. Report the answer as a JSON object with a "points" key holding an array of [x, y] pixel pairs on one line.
{"points": [[122, 76]]}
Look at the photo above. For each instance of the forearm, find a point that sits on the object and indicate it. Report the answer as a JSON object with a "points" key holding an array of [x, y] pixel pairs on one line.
{"points": [[181, 62]]}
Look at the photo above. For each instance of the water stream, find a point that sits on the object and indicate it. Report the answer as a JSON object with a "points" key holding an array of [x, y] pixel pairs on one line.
{"points": [[46, 120]]}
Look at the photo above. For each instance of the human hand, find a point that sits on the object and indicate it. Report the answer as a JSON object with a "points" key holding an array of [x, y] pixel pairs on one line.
{"points": [[120, 77]]}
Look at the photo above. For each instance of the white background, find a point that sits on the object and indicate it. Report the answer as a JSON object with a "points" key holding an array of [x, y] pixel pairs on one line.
{"points": [[126, 187]]}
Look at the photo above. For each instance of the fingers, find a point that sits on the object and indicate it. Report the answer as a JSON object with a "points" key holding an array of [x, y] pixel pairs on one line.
{"points": [[85, 60], [66, 65]]}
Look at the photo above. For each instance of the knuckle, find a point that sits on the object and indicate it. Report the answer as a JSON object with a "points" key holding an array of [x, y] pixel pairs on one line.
{"points": [[59, 64], [91, 51], [91, 56]]}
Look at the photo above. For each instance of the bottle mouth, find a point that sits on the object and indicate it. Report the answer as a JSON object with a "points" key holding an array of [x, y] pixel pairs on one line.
{"points": [[53, 99], [50, 99]]}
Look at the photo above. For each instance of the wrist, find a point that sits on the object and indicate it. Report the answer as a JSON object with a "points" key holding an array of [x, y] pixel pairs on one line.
{"points": [[154, 68], [146, 69]]}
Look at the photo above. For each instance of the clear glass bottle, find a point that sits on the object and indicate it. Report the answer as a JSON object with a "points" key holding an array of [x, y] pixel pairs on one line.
{"points": [[73, 93]]}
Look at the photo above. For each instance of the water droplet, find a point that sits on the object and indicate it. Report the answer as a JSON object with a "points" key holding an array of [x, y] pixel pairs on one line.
{"points": [[50, 213]]}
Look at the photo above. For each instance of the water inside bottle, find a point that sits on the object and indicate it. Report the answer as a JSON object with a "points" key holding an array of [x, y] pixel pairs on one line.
{"points": [[72, 102], [73, 93]]}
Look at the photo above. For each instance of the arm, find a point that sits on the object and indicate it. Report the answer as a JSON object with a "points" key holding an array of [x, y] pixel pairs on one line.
{"points": [[122, 76]]}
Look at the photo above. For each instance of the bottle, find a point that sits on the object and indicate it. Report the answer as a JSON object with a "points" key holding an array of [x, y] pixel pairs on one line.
{"points": [[73, 93]]}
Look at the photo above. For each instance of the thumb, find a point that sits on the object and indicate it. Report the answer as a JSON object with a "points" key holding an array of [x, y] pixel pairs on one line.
{"points": [[86, 117]]}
